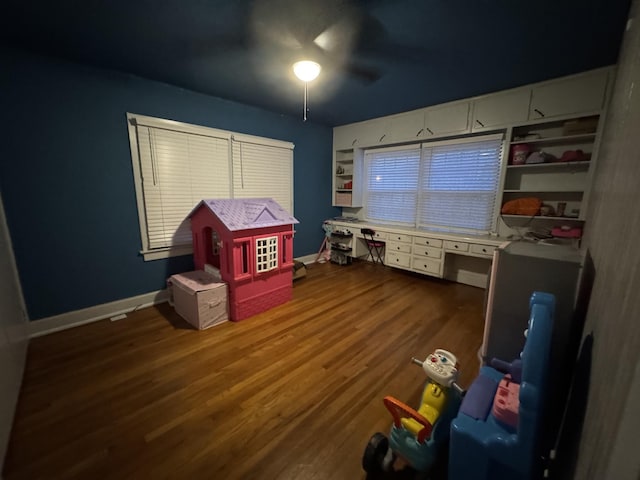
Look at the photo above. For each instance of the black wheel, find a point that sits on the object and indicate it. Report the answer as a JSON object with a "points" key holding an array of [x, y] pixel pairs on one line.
{"points": [[372, 460]]}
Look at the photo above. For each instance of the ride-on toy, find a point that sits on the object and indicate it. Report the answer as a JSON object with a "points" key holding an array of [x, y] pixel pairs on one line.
{"points": [[417, 436]]}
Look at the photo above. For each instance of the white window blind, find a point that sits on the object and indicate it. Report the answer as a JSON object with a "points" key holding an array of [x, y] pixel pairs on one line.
{"points": [[447, 185], [459, 184], [391, 185], [263, 171], [178, 170]]}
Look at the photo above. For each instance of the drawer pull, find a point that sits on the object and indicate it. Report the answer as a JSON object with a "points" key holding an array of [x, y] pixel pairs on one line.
{"points": [[484, 250], [455, 246], [397, 248]]}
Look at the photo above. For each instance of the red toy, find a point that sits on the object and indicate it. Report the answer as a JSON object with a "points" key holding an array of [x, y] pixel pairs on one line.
{"points": [[250, 241]]}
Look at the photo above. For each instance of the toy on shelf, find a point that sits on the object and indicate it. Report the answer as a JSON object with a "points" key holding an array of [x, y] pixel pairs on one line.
{"points": [[417, 436]]}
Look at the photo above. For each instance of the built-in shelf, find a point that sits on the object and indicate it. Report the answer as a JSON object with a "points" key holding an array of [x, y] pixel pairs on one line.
{"points": [[581, 165], [344, 189], [585, 137], [344, 174], [543, 191], [544, 217]]}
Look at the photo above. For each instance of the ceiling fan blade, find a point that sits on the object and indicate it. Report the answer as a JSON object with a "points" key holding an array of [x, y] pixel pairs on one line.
{"points": [[363, 73]]}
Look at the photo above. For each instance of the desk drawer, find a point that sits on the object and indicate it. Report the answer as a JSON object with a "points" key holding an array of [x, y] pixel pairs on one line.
{"points": [[482, 249], [456, 246], [395, 259], [427, 251], [380, 235], [398, 247], [426, 265], [399, 237], [427, 242]]}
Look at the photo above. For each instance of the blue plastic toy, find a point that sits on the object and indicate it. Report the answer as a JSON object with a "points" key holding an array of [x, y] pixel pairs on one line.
{"points": [[496, 434]]}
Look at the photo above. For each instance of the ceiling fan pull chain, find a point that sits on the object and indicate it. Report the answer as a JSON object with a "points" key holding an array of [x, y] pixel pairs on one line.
{"points": [[304, 115]]}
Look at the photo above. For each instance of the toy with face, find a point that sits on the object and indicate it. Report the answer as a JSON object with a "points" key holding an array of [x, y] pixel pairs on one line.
{"points": [[440, 367]]}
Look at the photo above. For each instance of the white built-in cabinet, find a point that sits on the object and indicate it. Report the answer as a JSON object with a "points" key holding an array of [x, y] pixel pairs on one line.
{"points": [[569, 96], [554, 101], [501, 109], [442, 120], [362, 134]]}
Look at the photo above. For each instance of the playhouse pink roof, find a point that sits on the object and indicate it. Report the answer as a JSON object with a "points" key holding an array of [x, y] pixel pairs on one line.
{"points": [[246, 213]]}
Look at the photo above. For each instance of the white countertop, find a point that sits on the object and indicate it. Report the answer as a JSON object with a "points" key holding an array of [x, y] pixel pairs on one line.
{"points": [[420, 232]]}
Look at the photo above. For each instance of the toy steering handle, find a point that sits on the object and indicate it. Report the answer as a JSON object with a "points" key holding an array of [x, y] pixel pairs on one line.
{"points": [[453, 385]]}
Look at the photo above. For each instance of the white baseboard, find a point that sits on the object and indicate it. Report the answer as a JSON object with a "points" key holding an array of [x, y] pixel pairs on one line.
{"points": [[76, 318], [48, 325], [307, 259]]}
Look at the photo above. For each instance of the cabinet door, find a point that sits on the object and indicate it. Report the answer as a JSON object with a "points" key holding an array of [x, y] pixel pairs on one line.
{"points": [[501, 109], [345, 137], [581, 94], [372, 133], [362, 134], [448, 119], [406, 127]]}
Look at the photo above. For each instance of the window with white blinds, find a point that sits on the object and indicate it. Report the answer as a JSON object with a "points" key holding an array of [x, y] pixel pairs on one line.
{"points": [[459, 184], [448, 185], [176, 165], [391, 184]]}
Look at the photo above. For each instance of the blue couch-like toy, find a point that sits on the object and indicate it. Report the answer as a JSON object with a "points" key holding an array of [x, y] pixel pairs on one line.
{"points": [[489, 446]]}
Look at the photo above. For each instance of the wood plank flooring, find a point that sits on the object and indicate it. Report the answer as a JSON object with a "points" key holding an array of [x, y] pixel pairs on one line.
{"points": [[293, 393]]}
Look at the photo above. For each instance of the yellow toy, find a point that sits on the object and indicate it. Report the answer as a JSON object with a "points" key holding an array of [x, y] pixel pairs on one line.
{"points": [[417, 435]]}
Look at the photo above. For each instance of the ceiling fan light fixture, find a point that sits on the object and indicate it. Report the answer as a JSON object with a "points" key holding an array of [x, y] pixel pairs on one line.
{"points": [[306, 70]]}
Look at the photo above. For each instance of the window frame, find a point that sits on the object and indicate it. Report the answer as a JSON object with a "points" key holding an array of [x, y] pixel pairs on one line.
{"points": [[135, 120], [422, 172]]}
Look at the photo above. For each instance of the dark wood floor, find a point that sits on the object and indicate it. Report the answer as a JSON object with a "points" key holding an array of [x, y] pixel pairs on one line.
{"points": [[293, 393]]}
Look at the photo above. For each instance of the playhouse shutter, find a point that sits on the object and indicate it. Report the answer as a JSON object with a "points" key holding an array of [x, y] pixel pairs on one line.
{"points": [[178, 170], [263, 170]]}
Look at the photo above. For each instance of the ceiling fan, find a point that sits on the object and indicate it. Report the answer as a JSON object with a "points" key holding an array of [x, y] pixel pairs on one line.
{"points": [[340, 35]]}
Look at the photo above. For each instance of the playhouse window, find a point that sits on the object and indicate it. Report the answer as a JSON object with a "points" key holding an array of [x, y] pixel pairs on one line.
{"points": [[266, 254]]}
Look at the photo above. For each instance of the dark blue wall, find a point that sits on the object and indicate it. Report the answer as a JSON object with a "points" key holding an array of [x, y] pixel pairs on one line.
{"points": [[67, 182]]}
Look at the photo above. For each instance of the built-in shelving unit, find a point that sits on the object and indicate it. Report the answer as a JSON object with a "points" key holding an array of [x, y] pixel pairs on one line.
{"points": [[347, 168], [561, 185]]}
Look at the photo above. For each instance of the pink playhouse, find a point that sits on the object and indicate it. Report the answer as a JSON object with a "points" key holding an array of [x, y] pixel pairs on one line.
{"points": [[250, 241]]}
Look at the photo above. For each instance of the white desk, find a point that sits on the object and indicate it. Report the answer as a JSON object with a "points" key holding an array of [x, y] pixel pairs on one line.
{"points": [[461, 258]]}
